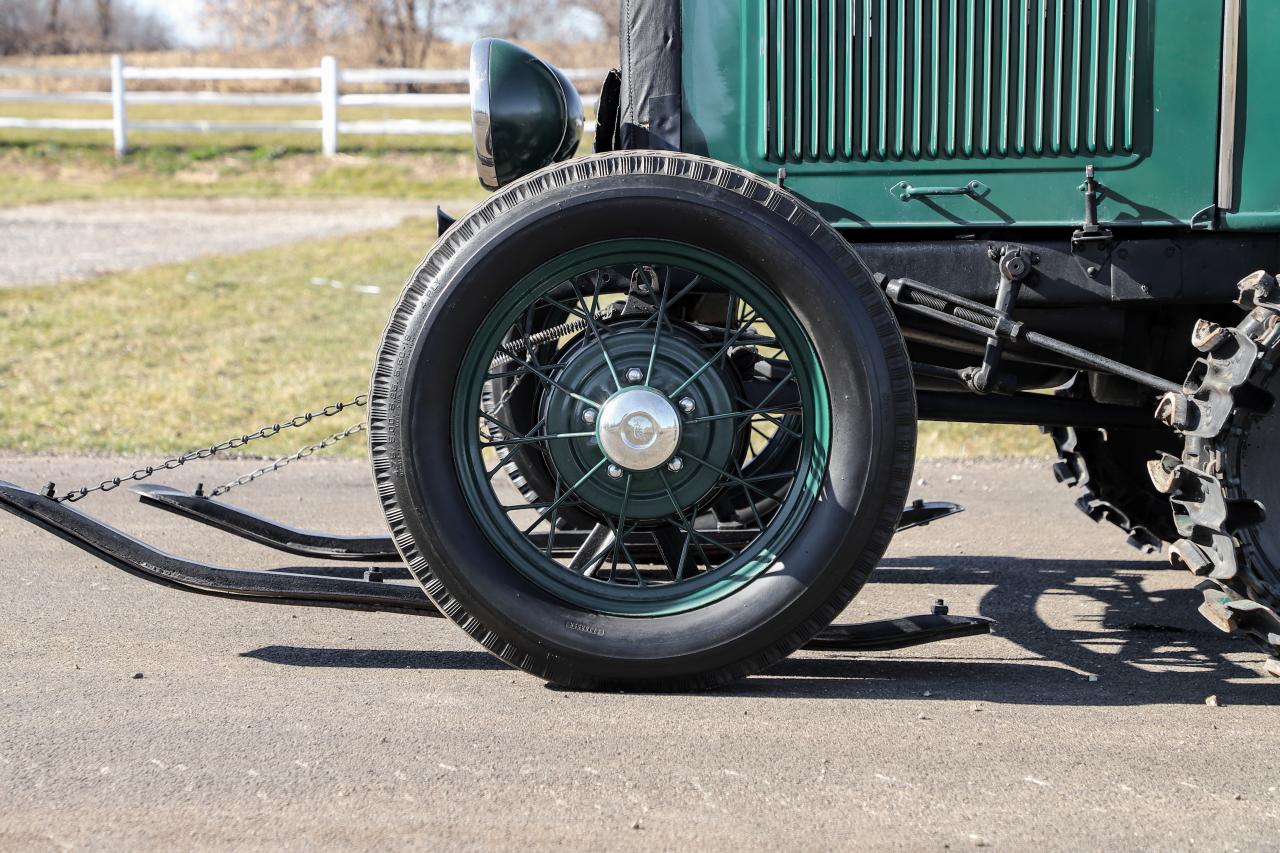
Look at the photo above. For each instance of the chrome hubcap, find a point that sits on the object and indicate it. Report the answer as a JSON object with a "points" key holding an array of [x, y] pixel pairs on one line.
{"points": [[638, 429]]}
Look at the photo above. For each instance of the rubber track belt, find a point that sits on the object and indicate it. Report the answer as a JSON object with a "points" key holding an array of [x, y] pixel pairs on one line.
{"points": [[1211, 414]]}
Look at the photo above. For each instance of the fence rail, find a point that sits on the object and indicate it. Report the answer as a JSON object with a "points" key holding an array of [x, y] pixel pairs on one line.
{"points": [[329, 97]]}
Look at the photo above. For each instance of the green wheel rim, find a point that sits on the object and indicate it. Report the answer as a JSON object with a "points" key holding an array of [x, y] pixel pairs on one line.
{"points": [[586, 289]]}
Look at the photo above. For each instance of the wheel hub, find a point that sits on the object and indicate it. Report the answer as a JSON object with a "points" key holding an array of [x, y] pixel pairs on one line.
{"points": [[638, 428]]}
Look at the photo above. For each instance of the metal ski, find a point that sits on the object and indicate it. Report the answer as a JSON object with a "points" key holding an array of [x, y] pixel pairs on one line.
{"points": [[372, 593], [375, 548]]}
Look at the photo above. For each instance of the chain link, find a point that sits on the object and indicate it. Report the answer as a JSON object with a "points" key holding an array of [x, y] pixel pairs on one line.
{"points": [[301, 453], [205, 452], [272, 430]]}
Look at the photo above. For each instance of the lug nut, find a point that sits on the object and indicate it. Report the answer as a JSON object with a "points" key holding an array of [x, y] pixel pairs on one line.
{"points": [[614, 471], [687, 405], [635, 375], [589, 416], [675, 465]]}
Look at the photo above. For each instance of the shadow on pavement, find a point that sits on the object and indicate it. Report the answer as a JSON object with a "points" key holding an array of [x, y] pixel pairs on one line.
{"points": [[375, 658], [1143, 647]]}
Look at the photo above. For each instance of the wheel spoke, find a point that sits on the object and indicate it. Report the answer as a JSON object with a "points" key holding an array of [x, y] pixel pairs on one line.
{"points": [[723, 473], [549, 381], [619, 534], [588, 313], [789, 377], [572, 489], [723, 349], [555, 517], [535, 439], [751, 503], [673, 548], [779, 424], [694, 282], [747, 413], [660, 314], [686, 523]]}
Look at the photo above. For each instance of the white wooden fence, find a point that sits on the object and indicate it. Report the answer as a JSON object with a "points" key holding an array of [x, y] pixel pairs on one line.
{"points": [[329, 97]]}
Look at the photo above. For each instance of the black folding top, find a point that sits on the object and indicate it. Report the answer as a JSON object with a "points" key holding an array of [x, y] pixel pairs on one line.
{"points": [[650, 65]]}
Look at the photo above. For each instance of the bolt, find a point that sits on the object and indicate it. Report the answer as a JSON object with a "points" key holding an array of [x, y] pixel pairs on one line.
{"points": [[687, 405], [675, 465], [1093, 272], [635, 375], [614, 471], [589, 416]]}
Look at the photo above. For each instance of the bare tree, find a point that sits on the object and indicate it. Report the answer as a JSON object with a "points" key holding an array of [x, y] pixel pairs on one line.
{"points": [[273, 23], [103, 8], [394, 32], [402, 31], [76, 26]]}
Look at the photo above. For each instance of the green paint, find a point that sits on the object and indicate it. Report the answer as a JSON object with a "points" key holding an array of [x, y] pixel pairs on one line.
{"points": [[1018, 95]]}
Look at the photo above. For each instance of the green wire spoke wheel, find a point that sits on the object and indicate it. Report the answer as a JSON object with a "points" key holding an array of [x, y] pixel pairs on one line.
{"points": [[643, 421], [661, 337]]}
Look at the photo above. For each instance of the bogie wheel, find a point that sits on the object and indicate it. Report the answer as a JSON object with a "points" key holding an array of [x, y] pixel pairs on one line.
{"points": [[682, 275]]}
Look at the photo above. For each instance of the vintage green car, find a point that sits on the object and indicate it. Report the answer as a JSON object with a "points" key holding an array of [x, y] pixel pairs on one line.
{"points": [[805, 226], [646, 418]]}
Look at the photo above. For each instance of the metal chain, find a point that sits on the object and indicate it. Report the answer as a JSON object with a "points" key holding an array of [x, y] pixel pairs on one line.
{"points": [[301, 453], [205, 452]]}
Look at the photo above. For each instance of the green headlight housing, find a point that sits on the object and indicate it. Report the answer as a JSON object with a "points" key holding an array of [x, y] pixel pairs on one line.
{"points": [[525, 114]]}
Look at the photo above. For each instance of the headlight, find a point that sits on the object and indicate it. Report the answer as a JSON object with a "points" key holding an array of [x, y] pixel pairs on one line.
{"points": [[525, 114]]}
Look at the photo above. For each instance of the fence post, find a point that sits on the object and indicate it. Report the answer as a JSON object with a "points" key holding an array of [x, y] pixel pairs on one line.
{"points": [[329, 106], [119, 119]]}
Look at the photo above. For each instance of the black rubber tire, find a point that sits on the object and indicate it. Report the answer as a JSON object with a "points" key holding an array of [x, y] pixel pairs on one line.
{"points": [[771, 234]]}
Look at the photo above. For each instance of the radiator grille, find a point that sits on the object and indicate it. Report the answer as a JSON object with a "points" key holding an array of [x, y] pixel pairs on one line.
{"points": [[892, 80]]}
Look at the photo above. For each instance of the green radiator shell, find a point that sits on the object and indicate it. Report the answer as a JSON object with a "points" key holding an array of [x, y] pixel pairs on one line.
{"points": [[859, 99]]}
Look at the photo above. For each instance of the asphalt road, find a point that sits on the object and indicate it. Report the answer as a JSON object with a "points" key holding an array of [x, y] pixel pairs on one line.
{"points": [[63, 241], [1082, 724]]}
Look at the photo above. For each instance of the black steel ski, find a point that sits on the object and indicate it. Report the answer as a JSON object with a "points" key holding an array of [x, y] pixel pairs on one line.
{"points": [[313, 590], [241, 522], [381, 549], [139, 558], [900, 633]]}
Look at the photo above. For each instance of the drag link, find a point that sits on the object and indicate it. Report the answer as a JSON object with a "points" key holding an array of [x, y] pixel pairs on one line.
{"points": [[979, 319]]}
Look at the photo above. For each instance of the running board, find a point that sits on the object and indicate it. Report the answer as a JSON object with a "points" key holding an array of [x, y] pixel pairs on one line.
{"points": [[140, 559], [314, 590], [381, 549]]}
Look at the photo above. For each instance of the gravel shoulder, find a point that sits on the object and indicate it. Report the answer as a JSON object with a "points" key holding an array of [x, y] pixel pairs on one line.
{"points": [[1082, 723], [67, 241]]}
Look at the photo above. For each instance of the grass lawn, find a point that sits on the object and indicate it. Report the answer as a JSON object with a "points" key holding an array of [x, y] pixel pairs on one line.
{"points": [[49, 165], [165, 359]]}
